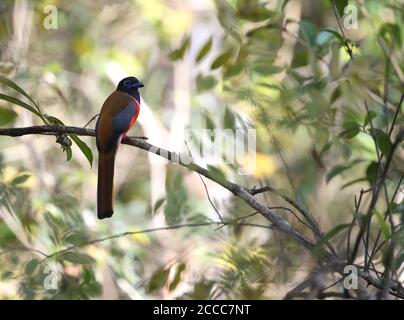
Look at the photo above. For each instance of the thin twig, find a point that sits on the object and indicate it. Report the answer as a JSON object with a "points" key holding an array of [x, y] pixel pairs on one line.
{"points": [[347, 45], [313, 225], [206, 188], [375, 192], [393, 61], [237, 219], [383, 176], [395, 116], [376, 248], [23, 249], [91, 120], [292, 212], [120, 235]]}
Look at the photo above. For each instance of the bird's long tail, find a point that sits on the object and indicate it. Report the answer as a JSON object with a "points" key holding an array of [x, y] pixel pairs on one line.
{"points": [[106, 163]]}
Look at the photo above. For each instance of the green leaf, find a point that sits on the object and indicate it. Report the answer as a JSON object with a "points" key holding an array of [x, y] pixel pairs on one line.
{"points": [[78, 258], [330, 234], [397, 208], [382, 140], [229, 120], [7, 116], [68, 153], [7, 275], [336, 34], [335, 95], [83, 147], [351, 130], [20, 103], [369, 117], [176, 198], [266, 68], [158, 280], [341, 4], [177, 277], [17, 88], [177, 182], [338, 169], [349, 133], [253, 10], [173, 209], [20, 179], [371, 172], [201, 291], [204, 50], [26, 291], [267, 37], [54, 222], [350, 124], [243, 53], [54, 120], [221, 59], [309, 32], [391, 33], [204, 83], [384, 227], [158, 204], [217, 173], [179, 53], [31, 266], [210, 124], [350, 183], [326, 147], [74, 238], [233, 70]]}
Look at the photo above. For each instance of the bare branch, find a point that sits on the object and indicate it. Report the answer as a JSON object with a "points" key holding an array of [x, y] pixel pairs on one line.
{"points": [[91, 120], [347, 44], [49, 130], [309, 218], [206, 188], [237, 190], [396, 115], [177, 226]]}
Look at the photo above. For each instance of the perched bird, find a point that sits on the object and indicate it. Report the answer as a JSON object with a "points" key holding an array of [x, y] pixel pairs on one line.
{"points": [[118, 114]]}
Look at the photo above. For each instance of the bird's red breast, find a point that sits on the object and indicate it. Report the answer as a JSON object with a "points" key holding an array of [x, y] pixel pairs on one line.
{"points": [[134, 118]]}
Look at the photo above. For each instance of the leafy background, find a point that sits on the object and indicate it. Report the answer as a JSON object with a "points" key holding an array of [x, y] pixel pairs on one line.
{"points": [[280, 67]]}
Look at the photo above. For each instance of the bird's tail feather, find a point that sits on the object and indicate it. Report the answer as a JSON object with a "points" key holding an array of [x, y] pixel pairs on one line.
{"points": [[106, 163]]}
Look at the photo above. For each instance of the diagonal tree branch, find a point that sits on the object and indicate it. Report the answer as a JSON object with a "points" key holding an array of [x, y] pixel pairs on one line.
{"points": [[277, 222], [237, 190]]}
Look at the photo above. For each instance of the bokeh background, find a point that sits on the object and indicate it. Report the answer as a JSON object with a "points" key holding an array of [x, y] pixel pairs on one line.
{"points": [[265, 65]]}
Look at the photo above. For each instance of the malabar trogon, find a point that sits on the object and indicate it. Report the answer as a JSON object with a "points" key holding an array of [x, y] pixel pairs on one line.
{"points": [[118, 114]]}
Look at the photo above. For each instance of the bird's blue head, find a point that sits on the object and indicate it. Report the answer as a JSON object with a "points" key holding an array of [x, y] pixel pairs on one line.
{"points": [[130, 85]]}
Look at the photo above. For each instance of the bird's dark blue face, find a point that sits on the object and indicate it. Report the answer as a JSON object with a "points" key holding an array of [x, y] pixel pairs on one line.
{"points": [[129, 85]]}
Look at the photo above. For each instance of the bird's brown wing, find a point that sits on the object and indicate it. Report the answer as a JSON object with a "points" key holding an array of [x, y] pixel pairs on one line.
{"points": [[115, 118]]}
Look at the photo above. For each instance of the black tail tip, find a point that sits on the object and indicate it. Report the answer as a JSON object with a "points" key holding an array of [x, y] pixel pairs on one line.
{"points": [[105, 214]]}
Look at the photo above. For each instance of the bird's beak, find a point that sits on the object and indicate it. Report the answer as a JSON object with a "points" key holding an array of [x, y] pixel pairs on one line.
{"points": [[137, 85]]}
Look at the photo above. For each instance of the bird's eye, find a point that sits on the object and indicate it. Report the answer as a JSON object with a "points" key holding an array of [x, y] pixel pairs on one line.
{"points": [[127, 83]]}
